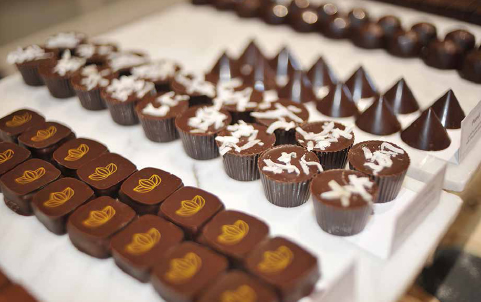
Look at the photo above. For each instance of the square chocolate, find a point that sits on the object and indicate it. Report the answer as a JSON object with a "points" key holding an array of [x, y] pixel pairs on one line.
{"points": [[20, 184], [75, 153], [239, 286], [141, 245], [11, 156], [290, 269], [53, 204], [106, 173], [146, 189], [234, 234], [4, 281], [190, 208], [14, 124], [16, 293], [43, 139], [92, 225], [186, 270]]}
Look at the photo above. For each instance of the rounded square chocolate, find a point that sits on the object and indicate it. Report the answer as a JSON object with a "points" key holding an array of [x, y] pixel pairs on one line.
{"points": [[106, 173], [14, 124], [53, 204], [140, 246], [43, 139], [16, 293], [234, 234], [238, 286], [146, 189], [92, 225], [190, 208], [283, 264], [185, 270], [75, 153], [20, 183], [11, 155]]}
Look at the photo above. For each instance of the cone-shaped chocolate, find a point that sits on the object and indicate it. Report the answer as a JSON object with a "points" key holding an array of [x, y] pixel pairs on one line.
{"points": [[448, 111], [223, 70], [262, 77], [249, 58], [338, 103], [360, 85], [321, 76], [284, 65], [378, 119], [401, 98], [298, 89], [426, 133]]}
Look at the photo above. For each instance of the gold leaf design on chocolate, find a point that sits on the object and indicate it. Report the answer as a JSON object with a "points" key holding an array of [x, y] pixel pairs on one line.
{"points": [[102, 173], [243, 293], [57, 199], [191, 207], [30, 176], [98, 218], [44, 134], [6, 155], [276, 261], [147, 185], [183, 269], [19, 120], [233, 233], [77, 153], [143, 242]]}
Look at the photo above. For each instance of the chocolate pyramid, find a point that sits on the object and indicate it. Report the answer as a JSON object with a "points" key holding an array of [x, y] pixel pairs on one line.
{"points": [[426, 133], [449, 111], [298, 89], [249, 58], [223, 70], [262, 77], [321, 76], [401, 98], [378, 119], [284, 65], [360, 85], [338, 103]]}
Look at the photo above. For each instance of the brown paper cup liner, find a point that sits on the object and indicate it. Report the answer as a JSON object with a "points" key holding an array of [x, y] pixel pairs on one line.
{"points": [[123, 113], [161, 131], [59, 88], [91, 100], [241, 167], [200, 147], [284, 137], [389, 186], [286, 195], [333, 160], [30, 75]]}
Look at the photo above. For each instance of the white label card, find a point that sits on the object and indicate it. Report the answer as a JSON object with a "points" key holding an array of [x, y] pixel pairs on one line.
{"points": [[470, 131]]}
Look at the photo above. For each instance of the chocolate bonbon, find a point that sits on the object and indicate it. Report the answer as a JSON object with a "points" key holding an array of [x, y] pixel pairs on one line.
{"points": [[53, 204], [442, 54], [426, 32], [284, 64], [275, 13], [88, 83], [471, 67], [326, 12], [361, 85], [303, 16], [223, 70], [200, 91], [239, 100], [378, 119], [338, 103], [462, 38], [11, 155], [91, 227], [4, 281], [370, 36], [357, 18], [15, 123], [404, 44], [146, 189], [322, 78], [248, 8], [16, 293], [390, 25], [449, 111], [298, 89], [28, 60], [63, 41], [122, 62], [160, 72], [95, 53], [401, 99]]}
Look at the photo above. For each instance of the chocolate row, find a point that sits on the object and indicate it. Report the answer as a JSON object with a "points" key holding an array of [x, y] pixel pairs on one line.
{"points": [[179, 238], [456, 51], [10, 291]]}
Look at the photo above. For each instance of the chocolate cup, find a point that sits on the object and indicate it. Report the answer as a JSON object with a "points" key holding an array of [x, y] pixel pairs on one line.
{"points": [[241, 116], [30, 74], [59, 87], [159, 130], [201, 147], [286, 195], [123, 113], [333, 159], [91, 99], [285, 137], [241, 167]]}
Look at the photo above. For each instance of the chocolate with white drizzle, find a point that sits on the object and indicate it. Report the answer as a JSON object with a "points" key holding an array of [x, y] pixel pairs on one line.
{"points": [[160, 72], [65, 41], [68, 64], [244, 139], [28, 60], [201, 92], [95, 53], [92, 77], [122, 62]]}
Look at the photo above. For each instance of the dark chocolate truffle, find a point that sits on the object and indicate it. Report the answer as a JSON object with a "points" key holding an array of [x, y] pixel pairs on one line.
{"points": [[275, 13], [14, 124], [462, 38], [186, 270], [326, 13], [404, 44], [200, 91], [305, 20], [449, 111], [223, 70], [284, 64], [190, 208], [299, 89], [146, 189], [20, 184], [234, 234], [338, 28], [106, 173], [248, 8], [426, 133], [426, 32], [92, 225], [322, 78], [378, 119], [357, 18], [53, 204], [289, 268], [442, 54], [141, 245], [11, 156], [370, 36], [343, 201], [360, 85], [471, 67], [390, 24], [338, 103], [401, 98]]}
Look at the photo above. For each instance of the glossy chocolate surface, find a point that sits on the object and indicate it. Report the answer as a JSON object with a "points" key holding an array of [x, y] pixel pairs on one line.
{"points": [[338, 28], [462, 38], [448, 110], [267, 140], [338, 103], [53, 204], [157, 101], [426, 32], [261, 76], [361, 85], [322, 78], [223, 70], [404, 44], [275, 13], [182, 122], [14, 124], [401, 99], [357, 18], [96, 53], [303, 114], [299, 89], [290, 269], [249, 58], [186, 270], [146, 189], [426, 133], [284, 64], [11, 155], [92, 225], [248, 8], [234, 234], [471, 67], [77, 152], [390, 24], [190, 208], [370, 36], [378, 119], [16, 293], [238, 286], [317, 128], [305, 20], [141, 245], [106, 173], [80, 79], [4, 281], [327, 12], [442, 54]]}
